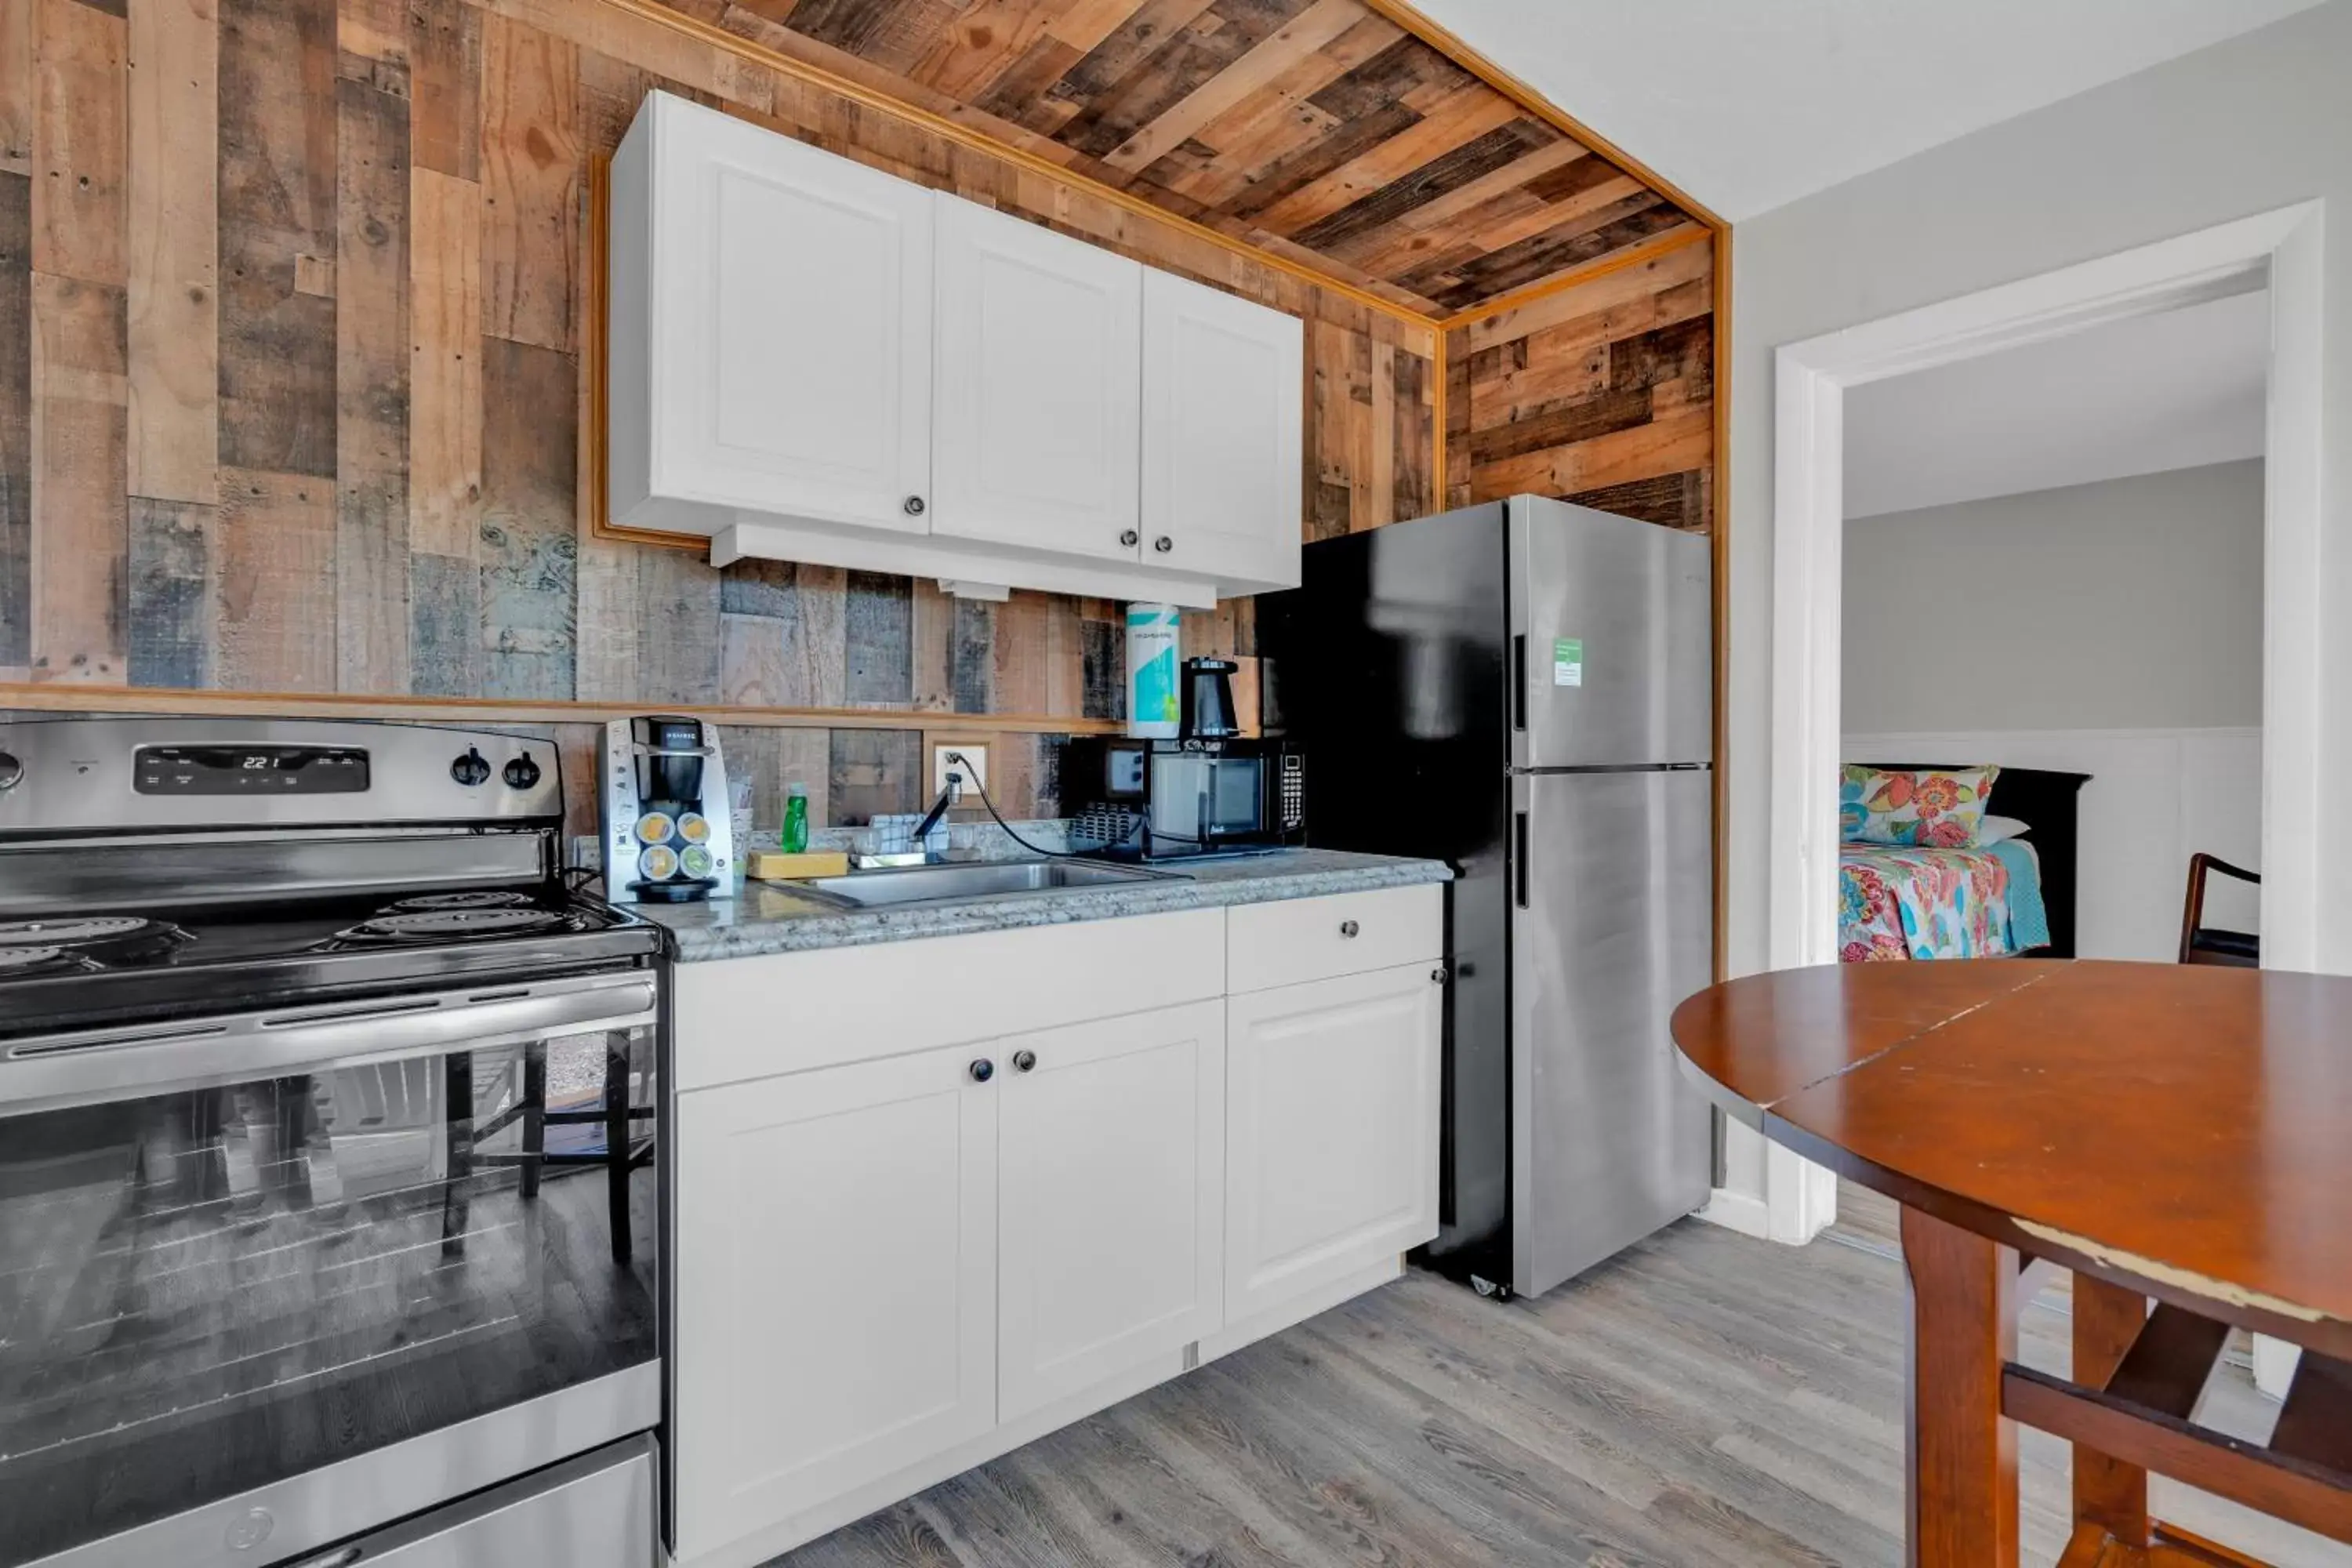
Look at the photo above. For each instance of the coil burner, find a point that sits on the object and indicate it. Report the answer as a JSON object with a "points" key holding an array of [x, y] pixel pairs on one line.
{"points": [[451, 924]]}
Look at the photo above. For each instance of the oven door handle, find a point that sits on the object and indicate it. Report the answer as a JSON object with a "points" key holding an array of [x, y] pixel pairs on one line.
{"points": [[45, 1071]]}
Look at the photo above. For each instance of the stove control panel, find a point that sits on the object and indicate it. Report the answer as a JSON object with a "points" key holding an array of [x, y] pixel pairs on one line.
{"points": [[249, 770], [166, 774]]}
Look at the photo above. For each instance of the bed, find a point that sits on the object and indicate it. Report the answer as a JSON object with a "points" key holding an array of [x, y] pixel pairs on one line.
{"points": [[1904, 901]]}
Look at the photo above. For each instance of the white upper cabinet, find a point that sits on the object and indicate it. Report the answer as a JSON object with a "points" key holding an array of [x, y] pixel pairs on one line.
{"points": [[1039, 373], [771, 329], [1223, 404], [811, 360]]}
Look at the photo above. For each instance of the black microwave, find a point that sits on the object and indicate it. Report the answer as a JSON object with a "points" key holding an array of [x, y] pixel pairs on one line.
{"points": [[1161, 800]]}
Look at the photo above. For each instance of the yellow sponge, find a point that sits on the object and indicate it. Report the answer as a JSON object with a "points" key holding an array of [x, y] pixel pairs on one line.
{"points": [[773, 866]]}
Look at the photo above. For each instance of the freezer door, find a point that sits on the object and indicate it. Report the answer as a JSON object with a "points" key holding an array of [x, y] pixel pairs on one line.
{"points": [[1612, 640], [1613, 882]]}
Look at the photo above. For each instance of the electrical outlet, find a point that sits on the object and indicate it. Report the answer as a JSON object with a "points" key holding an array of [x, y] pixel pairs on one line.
{"points": [[974, 767]]}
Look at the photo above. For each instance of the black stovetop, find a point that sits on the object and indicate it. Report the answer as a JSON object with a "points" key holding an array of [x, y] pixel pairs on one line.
{"points": [[67, 970]]}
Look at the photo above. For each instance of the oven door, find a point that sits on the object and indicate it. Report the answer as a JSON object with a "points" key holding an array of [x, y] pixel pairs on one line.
{"points": [[270, 1279]]}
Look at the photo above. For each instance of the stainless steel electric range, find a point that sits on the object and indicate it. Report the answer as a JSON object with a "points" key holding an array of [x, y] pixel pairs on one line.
{"points": [[329, 1158]]}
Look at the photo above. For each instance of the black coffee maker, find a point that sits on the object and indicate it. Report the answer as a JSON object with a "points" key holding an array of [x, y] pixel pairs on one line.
{"points": [[1207, 712], [668, 829]]}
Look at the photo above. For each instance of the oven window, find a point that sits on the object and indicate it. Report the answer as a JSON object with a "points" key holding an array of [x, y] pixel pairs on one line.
{"points": [[206, 1291]]}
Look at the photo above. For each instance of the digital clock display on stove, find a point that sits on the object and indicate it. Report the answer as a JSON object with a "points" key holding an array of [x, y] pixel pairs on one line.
{"points": [[250, 770]]}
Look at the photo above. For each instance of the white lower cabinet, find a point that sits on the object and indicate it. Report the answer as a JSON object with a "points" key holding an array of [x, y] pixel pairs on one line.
{"points": [[892, 1269], [836, 1290], [1110, 1184], [1330, 1130]]}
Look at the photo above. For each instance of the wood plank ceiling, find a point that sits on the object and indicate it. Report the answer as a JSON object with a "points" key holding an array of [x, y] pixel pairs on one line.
{"points": [[1321, 130]]}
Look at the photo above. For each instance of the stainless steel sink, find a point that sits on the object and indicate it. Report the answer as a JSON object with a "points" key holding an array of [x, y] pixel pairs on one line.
{"points": [[980, 879]]}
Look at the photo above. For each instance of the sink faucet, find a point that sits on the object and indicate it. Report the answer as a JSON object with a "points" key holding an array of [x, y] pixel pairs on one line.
{"points": [[951, 795]]}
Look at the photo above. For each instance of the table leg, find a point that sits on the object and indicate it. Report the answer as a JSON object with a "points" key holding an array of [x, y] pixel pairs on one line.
{"points": [[2109, 1495], [1962, 1472]]}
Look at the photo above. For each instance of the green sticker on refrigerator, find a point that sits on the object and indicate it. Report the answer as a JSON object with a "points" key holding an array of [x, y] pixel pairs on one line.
{"points": [[1568, 662]]}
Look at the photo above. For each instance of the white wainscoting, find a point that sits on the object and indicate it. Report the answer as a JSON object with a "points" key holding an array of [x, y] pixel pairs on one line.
{"points": [[2156, 797]]}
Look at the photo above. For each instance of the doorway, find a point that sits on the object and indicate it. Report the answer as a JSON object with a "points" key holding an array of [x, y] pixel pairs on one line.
{"points": [[2279, 249]]}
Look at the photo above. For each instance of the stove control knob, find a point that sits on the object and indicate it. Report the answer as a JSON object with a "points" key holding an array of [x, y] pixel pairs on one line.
{"points": [[12, 771], [470, 769], [522, 773]]}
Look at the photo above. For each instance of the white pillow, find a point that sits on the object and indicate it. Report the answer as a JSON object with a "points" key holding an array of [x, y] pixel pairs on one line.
{"points": [[1992, 829]]}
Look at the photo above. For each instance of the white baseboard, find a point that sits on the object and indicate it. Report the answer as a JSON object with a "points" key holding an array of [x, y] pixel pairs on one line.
{"points": [[1743, 1212]]}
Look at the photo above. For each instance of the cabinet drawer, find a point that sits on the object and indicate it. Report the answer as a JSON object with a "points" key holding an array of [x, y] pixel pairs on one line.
{"points": [[1345, 933], [741, 1018]]}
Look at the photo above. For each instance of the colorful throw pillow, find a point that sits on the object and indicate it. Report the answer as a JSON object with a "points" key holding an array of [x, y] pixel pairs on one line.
{"points": [[1940, 807]]}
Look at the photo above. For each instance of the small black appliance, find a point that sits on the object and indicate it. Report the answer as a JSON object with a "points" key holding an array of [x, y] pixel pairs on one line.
{"points": [[1159, 800], [1208, 701]]}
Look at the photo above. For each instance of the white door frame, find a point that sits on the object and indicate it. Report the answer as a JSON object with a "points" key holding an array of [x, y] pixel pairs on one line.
{"points": [[2282, 248]]}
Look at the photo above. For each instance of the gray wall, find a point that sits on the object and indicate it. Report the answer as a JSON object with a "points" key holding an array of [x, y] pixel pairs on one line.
{"points": [[2128, 605], [2257, 123]]}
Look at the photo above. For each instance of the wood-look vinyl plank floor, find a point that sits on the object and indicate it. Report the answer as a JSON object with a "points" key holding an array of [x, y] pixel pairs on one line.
{"points": [[1704, 1401]]}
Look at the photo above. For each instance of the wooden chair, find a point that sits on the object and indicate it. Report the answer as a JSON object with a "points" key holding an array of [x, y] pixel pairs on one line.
{"points": [[2201, 943]]}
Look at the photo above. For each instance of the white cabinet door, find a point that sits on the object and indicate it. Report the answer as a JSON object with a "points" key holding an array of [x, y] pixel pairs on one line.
{"points": [[836, 1284], [1225, 392], [1111, 1199], [1040, 375], [789, 335], [1331, 1129]]}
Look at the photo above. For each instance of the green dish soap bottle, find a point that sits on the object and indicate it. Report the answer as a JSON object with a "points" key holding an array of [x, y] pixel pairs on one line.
{"points": [[793, 839]]}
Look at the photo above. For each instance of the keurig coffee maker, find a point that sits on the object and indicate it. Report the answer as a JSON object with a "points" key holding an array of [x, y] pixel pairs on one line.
{"points": [[668, 828]]}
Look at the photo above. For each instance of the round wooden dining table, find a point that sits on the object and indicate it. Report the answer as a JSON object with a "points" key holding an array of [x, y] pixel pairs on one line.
{"points": [[2179, 1137]]}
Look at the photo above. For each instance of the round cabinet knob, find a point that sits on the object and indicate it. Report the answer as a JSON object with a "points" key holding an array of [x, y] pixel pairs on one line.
{"points": [[982, 1070], [914, 506], [1130, 538], [1348, 928], [1163, 544], [1438, 975], [522, 773], [12, 771], [470, 769], [1026, 1060]]}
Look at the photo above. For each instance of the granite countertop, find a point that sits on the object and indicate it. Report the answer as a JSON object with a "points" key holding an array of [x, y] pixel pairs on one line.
{"points": [[771, 916]]}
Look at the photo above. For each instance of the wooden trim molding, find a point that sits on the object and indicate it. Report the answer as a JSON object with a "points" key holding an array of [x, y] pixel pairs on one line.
{"points": [[51, 698], [1437, 368], [595, 336]]}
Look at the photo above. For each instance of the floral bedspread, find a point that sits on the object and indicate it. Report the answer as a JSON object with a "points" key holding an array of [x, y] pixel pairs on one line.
{"points": [[1900, 902]]}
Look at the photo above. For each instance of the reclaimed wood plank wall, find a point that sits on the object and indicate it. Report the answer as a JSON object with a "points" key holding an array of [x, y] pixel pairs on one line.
{"points": [[1601, 392], [291, 394]]}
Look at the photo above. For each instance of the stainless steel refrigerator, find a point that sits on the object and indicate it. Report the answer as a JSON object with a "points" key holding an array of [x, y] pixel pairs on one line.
{"points": [[1525, 690]]}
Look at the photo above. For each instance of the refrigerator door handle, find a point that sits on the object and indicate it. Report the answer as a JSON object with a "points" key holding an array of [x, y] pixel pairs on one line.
{"points": [[1519, 681], [1520, 857]]}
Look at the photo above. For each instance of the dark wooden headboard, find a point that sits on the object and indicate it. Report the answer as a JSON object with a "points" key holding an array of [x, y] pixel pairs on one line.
{"points": [[2046, 802]]}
